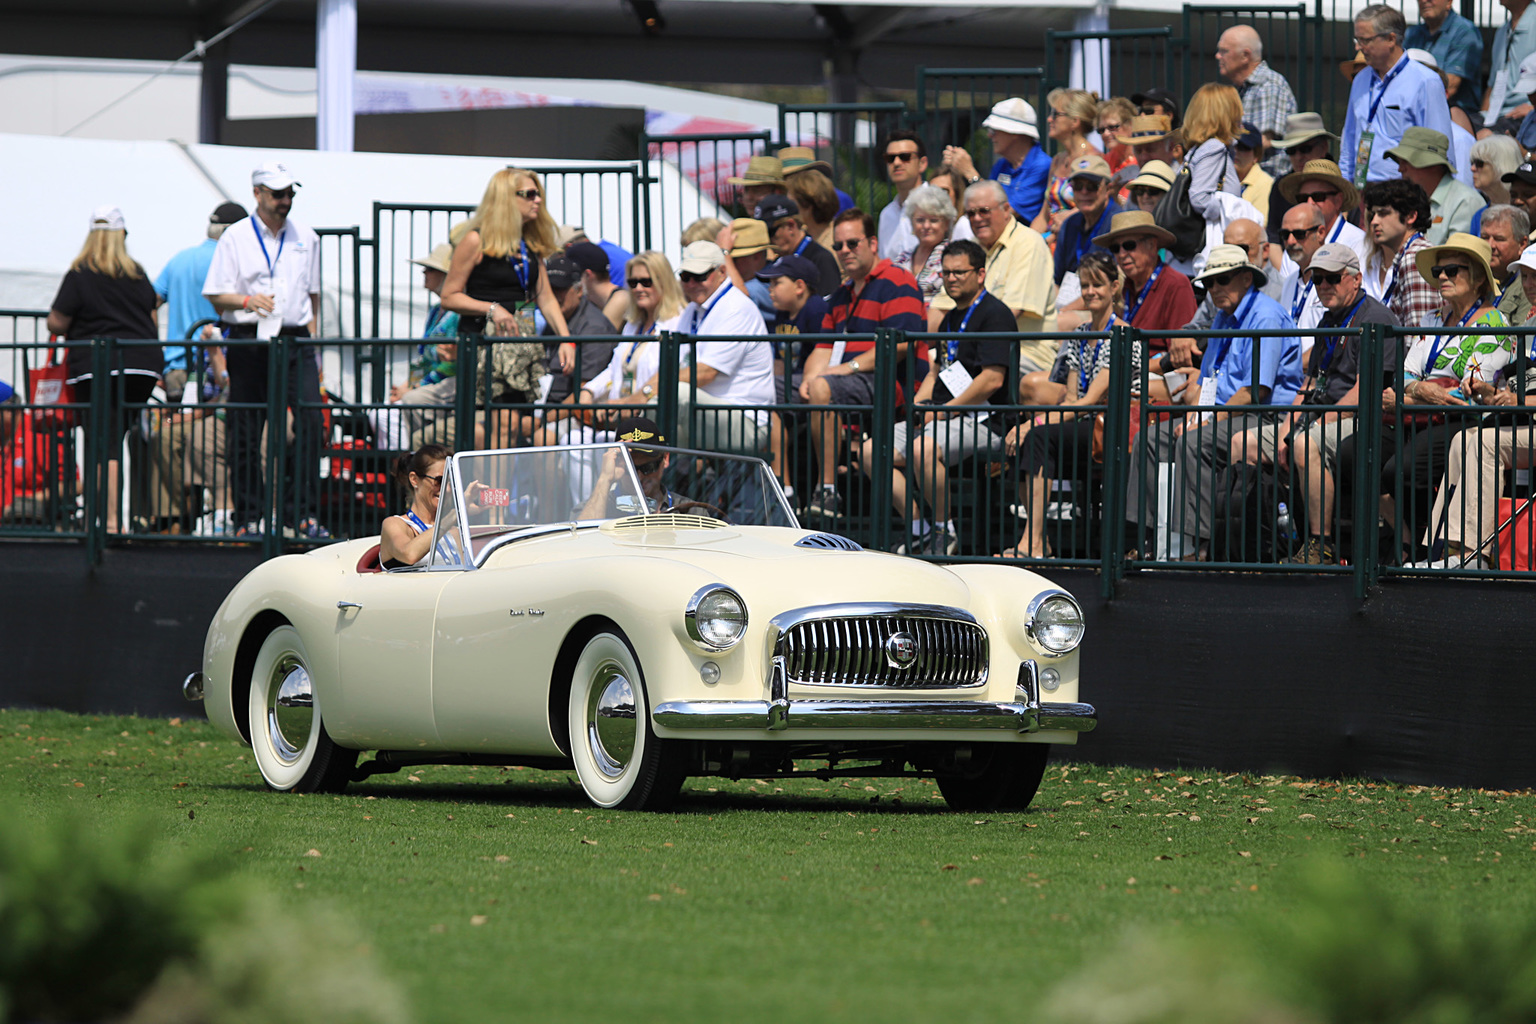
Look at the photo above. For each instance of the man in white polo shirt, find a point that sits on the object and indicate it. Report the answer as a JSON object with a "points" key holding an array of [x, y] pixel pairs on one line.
{"points": [[265, 281], [728, 372]]}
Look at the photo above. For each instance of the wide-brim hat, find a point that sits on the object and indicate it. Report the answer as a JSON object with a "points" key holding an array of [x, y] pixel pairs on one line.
{"points": [[751, 236], [1350, 68], [1226, 258], [438, 259], [1424, 148], [1153, 174], [1324, 171], [761, 170], [1145, 129], [1302, 127], [1133, 222], [795, 159], [1466, 245]]}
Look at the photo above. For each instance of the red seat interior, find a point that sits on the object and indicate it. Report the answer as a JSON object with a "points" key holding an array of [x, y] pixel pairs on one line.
{"points": [[370, 561]]}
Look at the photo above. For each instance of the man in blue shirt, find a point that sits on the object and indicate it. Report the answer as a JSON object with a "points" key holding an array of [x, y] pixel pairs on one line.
{"points": [[1237, 370], [1457, 46], [1390, 95], [1023, 166], [180, 287], [1514, 41], [1090, 178]]}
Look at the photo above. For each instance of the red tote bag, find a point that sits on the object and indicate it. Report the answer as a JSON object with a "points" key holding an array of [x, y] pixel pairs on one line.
{"points": [[47, 390]]}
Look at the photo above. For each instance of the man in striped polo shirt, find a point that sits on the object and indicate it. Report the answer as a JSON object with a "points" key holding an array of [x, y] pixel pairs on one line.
{"points": [[876, 295]]}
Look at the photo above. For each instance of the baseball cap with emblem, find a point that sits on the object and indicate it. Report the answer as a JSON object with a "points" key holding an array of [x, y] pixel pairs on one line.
{"points": [[1014, 116], [273, 176], [775, 208], [701, 257], [1526, 173], [637, 431], [1335, 256], [107, 218], [1090, 166]]}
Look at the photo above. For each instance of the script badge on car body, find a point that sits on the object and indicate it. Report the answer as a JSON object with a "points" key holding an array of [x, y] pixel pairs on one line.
{"points": [[901, 650]]}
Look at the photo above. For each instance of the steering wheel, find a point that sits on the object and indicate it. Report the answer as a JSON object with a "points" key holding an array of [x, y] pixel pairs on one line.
{"points": [[682, 508]]}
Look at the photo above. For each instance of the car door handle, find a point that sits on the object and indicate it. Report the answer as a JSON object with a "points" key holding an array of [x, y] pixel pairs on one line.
{"points": [[342, 606]]}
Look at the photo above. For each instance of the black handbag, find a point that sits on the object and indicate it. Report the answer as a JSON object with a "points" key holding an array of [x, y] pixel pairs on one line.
{"points": [[1175, 214]]}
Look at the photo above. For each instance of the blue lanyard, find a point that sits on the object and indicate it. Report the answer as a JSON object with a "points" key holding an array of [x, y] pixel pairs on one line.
{"points": [[1085, 368], [1130, 314], [262, 242], [1442, 340], [521, 268], [1333, 342], [1306, 290], [1217, 353], [1370, 118], [803, 243], [701, 313], [1386, 296], [954, 346]]}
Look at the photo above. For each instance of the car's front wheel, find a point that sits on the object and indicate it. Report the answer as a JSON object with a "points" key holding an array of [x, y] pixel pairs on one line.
{"points": [[288, 735], [1003, 777], [618, 758]]}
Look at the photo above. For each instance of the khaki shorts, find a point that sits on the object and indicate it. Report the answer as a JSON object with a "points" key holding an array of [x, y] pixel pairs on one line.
{"points": [[1326, 437]]}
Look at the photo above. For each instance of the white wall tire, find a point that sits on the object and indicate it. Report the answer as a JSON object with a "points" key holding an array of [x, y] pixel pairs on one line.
{"points": [[288, 737], [619, 760]]}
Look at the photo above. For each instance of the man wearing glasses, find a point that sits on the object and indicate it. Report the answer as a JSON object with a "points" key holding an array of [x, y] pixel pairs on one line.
{"points": [[1090, 178], [265, 280], [906, 158], [1022, 166], [1020, 272], [1157, 296], [1392, 94], [1302, 233]]}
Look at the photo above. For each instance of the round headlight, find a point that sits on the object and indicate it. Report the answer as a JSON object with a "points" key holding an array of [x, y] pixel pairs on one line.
{"points": [[716, 618], [1055, 623]]}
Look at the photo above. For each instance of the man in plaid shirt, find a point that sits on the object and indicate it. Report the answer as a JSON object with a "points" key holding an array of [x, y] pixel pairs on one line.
{"points": [[1267, 97], [1399, 214]]}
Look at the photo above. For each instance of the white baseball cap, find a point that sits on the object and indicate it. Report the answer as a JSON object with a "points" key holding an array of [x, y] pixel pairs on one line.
{"points": [[1014, 116], [1525, 84], [107, 218], [274, 176], [701, 257], [1527, 260]]}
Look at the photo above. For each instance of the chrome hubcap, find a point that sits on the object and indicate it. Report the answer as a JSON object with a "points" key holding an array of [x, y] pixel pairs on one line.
{"points": [[611, 721], [291, 709]]}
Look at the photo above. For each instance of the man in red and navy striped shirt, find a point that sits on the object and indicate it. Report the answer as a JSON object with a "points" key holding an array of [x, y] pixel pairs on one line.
{"points": [[876, 295]]}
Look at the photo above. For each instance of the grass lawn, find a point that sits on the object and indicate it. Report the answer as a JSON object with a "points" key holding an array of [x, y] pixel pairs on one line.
{"points": [[497, 894]]}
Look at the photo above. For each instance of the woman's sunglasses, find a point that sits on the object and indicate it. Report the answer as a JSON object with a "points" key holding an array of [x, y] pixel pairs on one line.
{"points": [[640, 282], [529, 194], [1450, 270]]}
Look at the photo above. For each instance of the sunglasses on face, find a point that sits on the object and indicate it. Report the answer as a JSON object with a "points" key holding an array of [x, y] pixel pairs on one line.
{"points": [[529, 194], [286, 193], [1089, 185], [1315, 197], [1450, 270], [1324, 277], [640, 282], [1225, 279], [689, 277], [647, 468], [1130, 245], [1109, 129], [1298, 233], [957, 273], [852, 243], [1150, 108], [1479, 164], [980, 211], [435, 481], [892, 158]]}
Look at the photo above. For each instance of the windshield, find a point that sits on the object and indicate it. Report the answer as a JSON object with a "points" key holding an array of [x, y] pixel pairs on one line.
{"points": [[521, 490]]}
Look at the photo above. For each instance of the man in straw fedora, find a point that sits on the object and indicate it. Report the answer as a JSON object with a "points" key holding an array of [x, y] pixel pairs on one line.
{"points": [[1157, 297], [1392, 94], [799, 159], [1422, 158], [1321, 183], [763, 177], [1153, 137], [1305, 139], [1237, 370]]}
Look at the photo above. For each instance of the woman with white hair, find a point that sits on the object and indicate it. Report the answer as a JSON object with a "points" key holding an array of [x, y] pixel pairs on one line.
{"points": [[1492, 158], [106, 294], [932, 214]]}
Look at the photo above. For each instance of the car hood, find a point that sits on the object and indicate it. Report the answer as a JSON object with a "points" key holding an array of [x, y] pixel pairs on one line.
{"points": [[750, 557]]}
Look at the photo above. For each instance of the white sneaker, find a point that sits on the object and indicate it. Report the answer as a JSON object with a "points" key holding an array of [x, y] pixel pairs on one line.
{"points": [[1464, 561], [218, 523]]}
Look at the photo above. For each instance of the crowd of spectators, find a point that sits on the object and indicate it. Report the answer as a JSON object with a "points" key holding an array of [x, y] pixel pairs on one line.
{"points": [[1230, 214]]}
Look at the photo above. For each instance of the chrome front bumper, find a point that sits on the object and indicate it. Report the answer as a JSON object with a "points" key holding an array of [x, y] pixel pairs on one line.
{"points": [[779, 712]]}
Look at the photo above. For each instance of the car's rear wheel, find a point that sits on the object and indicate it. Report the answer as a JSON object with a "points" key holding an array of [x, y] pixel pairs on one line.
{"points": [[618, 758], [1003, 777], [292, 748]]}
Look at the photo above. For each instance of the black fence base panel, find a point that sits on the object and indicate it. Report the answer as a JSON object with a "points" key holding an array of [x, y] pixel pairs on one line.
{"points": [[1426, 682]]}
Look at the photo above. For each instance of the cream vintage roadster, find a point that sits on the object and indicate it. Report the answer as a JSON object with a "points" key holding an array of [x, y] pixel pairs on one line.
{"points": [[572, 617]]}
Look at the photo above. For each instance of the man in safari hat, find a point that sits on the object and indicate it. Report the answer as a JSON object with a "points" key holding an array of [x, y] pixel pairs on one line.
{"points": [[1153, 137], [797, 159], [1306, 139], [1157, 297], [763, 177], [1423, 158], [1319, 182], [749, 253]]}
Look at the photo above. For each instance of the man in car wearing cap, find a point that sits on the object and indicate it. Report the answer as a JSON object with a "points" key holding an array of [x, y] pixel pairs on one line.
{"points": [[180, 287], [1022, 167], [1305, 140], [1391, 95], [1090, 178], [1422, 159], [764, 177], [906, 158], [730, 371], [265, 280], [781, 215], [1312, 441], [1266, 95], [650, 466], [745, 244], [1236, 371]]}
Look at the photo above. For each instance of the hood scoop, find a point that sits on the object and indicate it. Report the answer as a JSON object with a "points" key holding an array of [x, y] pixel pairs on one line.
{"points": [[828, 542], [664, 521]]}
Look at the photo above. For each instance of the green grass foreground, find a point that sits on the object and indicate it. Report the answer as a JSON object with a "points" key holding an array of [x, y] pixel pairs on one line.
{"points": [[499, 894]]}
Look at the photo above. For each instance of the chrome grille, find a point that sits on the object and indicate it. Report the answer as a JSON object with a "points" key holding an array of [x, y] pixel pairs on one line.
{"points": [[852, 650]]}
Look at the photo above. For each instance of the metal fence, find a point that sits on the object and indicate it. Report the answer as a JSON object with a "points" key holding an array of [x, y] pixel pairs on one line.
{"points": [[952, 103], [708, 161], [1127, 484], [848, 136]]}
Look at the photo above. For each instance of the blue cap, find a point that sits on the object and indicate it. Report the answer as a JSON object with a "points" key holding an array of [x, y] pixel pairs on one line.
{"points": [[1251, 138], [6, 391], [797, 267]]}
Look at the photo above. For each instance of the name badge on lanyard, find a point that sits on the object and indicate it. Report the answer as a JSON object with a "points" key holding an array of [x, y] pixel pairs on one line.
{"points": [[1368, 135]]}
